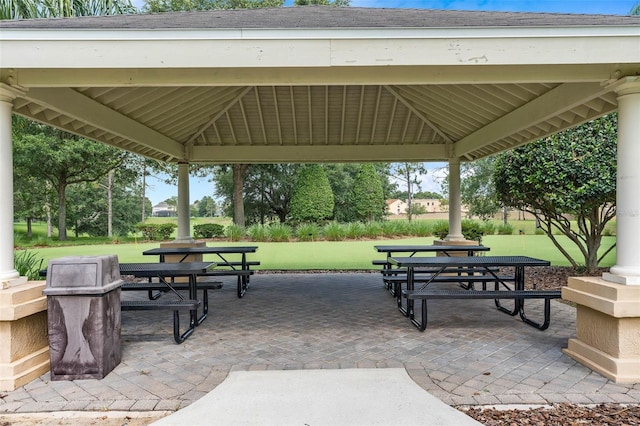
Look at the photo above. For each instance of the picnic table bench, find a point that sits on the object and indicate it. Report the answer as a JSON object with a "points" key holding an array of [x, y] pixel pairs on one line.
{"points": [[240, 269], [412, 250], [496, 295], [505, 287], [165, 273]]}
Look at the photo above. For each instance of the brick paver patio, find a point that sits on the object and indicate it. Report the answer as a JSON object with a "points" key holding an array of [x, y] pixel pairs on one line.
{"points": [[470, 354]]}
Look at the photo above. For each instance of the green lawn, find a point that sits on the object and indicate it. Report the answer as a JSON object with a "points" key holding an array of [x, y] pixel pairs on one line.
{"points": [[345, 255]]}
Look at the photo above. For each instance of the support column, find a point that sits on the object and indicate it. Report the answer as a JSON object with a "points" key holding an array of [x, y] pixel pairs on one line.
{"points": [[627, 267], [455, 203], [608, 308], [7, 269], [24, 348], [184, 225]]}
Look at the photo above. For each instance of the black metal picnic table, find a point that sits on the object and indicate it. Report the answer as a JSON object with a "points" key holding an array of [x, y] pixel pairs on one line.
{"points": [[485, 265], [243, 273], [447, 250], [166, 273]]}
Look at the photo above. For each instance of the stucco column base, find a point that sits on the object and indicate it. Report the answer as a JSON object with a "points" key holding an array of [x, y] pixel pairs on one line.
{"points": [[607, 327], [454, 243], [24, 352], [178, 257], [4, 284]]}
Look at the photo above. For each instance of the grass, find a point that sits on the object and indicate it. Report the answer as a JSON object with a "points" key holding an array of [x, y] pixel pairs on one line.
{"points": [[333, 255]]}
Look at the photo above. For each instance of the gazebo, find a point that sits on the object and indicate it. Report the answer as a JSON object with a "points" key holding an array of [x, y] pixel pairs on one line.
{"points": [[328, 84]]}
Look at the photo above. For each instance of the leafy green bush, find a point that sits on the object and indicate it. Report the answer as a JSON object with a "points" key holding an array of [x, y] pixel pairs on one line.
{"points": [[390, 228], [258, 233], [234, 232], [308, 232], [27, 264], [489, 228], [373, 229], [355, 230], [334, 231], [420, 228], [279, 232], [440, 229], [208, 230], [156, 231], [505, 229], [471, 230]]}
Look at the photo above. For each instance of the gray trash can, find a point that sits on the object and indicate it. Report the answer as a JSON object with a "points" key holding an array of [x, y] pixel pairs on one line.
{"points": [[83, 302]]}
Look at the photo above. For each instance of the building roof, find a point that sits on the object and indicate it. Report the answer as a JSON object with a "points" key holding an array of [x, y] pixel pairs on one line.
{"points": [[318, 84], [325, 17]]}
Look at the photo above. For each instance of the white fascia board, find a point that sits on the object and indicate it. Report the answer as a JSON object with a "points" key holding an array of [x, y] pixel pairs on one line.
{"points": [[317, 47]]}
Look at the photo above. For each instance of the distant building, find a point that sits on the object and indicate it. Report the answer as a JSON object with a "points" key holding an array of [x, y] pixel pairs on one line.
{"points": [[396, 207], [431, 205], [399, 207], [163, 210]]}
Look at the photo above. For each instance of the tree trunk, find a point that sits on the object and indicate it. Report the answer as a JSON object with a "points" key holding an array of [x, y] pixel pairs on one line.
{"points": [[110, 203], [47, 210], [238, 199], [62, 211], [409, 195], [144, 190], [29, 230]]}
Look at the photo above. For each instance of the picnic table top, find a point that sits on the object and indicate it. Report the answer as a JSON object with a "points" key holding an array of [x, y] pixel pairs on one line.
{"points": [[200, 250], [165, 268], [443, 261], [428, 248]]}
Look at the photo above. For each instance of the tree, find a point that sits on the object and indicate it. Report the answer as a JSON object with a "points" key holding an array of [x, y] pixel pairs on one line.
{"points": [[338, 3], [31, 9], [155, 6], [312, 199], [206, 207], [477, 190], [570, 175], [367, 198], [408, 174], [62, 159]]}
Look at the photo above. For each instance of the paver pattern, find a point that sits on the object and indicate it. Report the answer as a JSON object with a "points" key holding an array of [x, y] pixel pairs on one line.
{"points": [[470, 353]]}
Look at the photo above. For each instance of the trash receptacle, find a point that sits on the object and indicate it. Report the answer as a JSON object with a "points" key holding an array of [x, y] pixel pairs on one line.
{"points": [[83, 302]]}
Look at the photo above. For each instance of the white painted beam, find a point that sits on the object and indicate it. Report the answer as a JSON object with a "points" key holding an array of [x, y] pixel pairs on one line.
{"points": [[80, 107], [552, 103], [317, 153], [391, 75]]}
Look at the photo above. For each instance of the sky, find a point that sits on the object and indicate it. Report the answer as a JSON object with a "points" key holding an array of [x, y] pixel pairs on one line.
{"points": [[158, 191]]}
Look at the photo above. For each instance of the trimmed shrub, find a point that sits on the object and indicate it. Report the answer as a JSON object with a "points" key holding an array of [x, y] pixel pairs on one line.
{"points": [[258, 233], [308, 232], [234, 232], [156, 231], [471, 230], [208, 230], [334, 231], [373, 230], [505, 229], [421, 228], [488, 228], [355, 230], [279, 232], [440, 229]]}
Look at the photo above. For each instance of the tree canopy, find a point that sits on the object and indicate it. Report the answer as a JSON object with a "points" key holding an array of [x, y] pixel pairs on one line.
{"points": [[567, 176], [367, 197], [312, 199]]}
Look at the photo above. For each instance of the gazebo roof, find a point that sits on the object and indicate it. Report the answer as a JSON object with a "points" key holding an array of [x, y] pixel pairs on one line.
{"points": [[313, 84]]}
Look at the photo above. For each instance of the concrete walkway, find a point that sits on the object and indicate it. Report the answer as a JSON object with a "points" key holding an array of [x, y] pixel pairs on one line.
{"points": [[471, 354]]}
